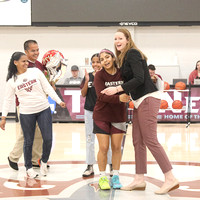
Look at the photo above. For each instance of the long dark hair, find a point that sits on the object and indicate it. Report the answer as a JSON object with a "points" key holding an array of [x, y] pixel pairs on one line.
{"points": [[12, 69], [94, 55]]}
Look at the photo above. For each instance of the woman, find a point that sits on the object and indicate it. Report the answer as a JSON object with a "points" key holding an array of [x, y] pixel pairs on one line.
{"points": [[146, 98], [195, 74], [109, 118], [31, 88], [88, 91]]}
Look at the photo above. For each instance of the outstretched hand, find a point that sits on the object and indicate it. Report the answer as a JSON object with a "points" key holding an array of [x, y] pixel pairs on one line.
{"points": [[62, 104]]}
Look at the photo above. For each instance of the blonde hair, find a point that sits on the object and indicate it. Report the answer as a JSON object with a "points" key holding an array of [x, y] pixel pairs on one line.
{"points": [[121, 55]]}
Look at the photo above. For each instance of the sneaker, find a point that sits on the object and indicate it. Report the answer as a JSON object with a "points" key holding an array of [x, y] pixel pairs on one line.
{"points": [[43, 168], [89, 171], [13, 165], [104, 183], [39, 164], [115, 182], [31, 173], [111, 170]]}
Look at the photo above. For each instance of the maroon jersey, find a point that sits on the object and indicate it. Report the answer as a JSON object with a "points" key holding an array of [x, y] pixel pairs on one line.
{"points": [[108, 108], [36, 64]]}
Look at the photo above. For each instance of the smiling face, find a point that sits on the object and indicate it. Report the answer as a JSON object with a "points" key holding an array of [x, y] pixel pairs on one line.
{"points": [[107, 61], [96, 65], [21, 64], [32, 52], [120, 41]]}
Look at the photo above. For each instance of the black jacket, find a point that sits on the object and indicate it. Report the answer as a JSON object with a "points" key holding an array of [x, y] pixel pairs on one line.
{"points": [[135, 73]]}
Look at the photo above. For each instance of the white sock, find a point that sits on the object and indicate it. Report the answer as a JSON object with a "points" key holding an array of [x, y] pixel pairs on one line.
{"points": [[116, 172], [102, 173]]}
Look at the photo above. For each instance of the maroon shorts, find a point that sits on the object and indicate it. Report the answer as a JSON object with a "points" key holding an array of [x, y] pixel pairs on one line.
{"points": [[109, 128]]}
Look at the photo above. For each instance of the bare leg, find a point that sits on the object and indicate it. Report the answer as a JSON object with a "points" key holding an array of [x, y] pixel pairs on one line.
{"points": [[103, 140], [116, 141]]}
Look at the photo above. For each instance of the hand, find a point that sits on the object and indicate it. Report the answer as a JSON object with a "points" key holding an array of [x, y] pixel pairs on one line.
{"points": [[109, 91], [154, 78], [62, 104], [124, 98], [86, 76], [2, 124]]}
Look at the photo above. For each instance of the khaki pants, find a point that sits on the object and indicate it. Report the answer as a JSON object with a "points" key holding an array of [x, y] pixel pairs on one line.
{"points": [[17, 151]]}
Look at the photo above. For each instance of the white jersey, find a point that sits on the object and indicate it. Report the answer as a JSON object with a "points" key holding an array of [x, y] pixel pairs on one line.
{"points": [[31, 89]]}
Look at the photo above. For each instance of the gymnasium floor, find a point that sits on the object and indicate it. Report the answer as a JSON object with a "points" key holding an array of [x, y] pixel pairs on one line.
{"points": [[65, 182]]}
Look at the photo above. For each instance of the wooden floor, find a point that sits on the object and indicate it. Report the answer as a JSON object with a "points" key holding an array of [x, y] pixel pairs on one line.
{"points": [[65, 181], [180, 143]]}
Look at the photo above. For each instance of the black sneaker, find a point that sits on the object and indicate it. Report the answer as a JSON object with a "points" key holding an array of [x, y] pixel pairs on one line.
{"points": [[35, 166], [89, 171], [13, 165], [111, 170]]}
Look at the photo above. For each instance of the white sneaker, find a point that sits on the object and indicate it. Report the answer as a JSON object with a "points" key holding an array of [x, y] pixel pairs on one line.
{"points": [[31, 173], [43, 168], [89, 171]]}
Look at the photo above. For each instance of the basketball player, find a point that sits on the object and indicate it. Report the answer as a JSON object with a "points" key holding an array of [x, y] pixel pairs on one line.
{"points": [[88, 91], [109, 118]]}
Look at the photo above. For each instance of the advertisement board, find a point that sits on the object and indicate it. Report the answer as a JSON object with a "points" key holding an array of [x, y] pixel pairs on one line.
{"points": [[75, 106]]}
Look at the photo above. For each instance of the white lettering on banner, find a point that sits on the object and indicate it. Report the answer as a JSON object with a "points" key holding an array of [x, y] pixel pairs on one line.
{"points": [[193, 104], [178, 96], [196, 116], [76, 100]]}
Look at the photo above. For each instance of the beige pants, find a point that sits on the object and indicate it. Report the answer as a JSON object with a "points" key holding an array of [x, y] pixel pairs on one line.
{"points": [[17, 151]]}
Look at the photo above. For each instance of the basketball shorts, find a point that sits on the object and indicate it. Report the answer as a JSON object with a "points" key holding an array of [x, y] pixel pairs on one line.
{"points": [[109, 128]]}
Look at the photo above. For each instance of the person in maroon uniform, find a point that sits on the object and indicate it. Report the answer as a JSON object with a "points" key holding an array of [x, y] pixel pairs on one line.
{"points": [[109, 118], [32, 51]]}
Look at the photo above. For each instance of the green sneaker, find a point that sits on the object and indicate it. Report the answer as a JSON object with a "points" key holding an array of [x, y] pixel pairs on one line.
{"points": [[104, 183]]}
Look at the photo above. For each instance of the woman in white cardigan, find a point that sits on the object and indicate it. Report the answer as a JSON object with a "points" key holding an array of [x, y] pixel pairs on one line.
{"points": [[31, 88]]}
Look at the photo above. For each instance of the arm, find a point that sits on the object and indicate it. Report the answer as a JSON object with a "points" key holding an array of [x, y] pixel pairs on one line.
{"points": [[49, 90], [10, 92], [99, 84], [85, 84], [192, 77], [134, 60]]}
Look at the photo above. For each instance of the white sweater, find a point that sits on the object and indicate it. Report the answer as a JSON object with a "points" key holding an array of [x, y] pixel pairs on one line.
{"points": [[31, 89]]}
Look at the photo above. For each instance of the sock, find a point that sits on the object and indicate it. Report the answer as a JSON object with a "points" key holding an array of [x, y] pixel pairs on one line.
{"points": [[116, 172], [102, 173]]}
